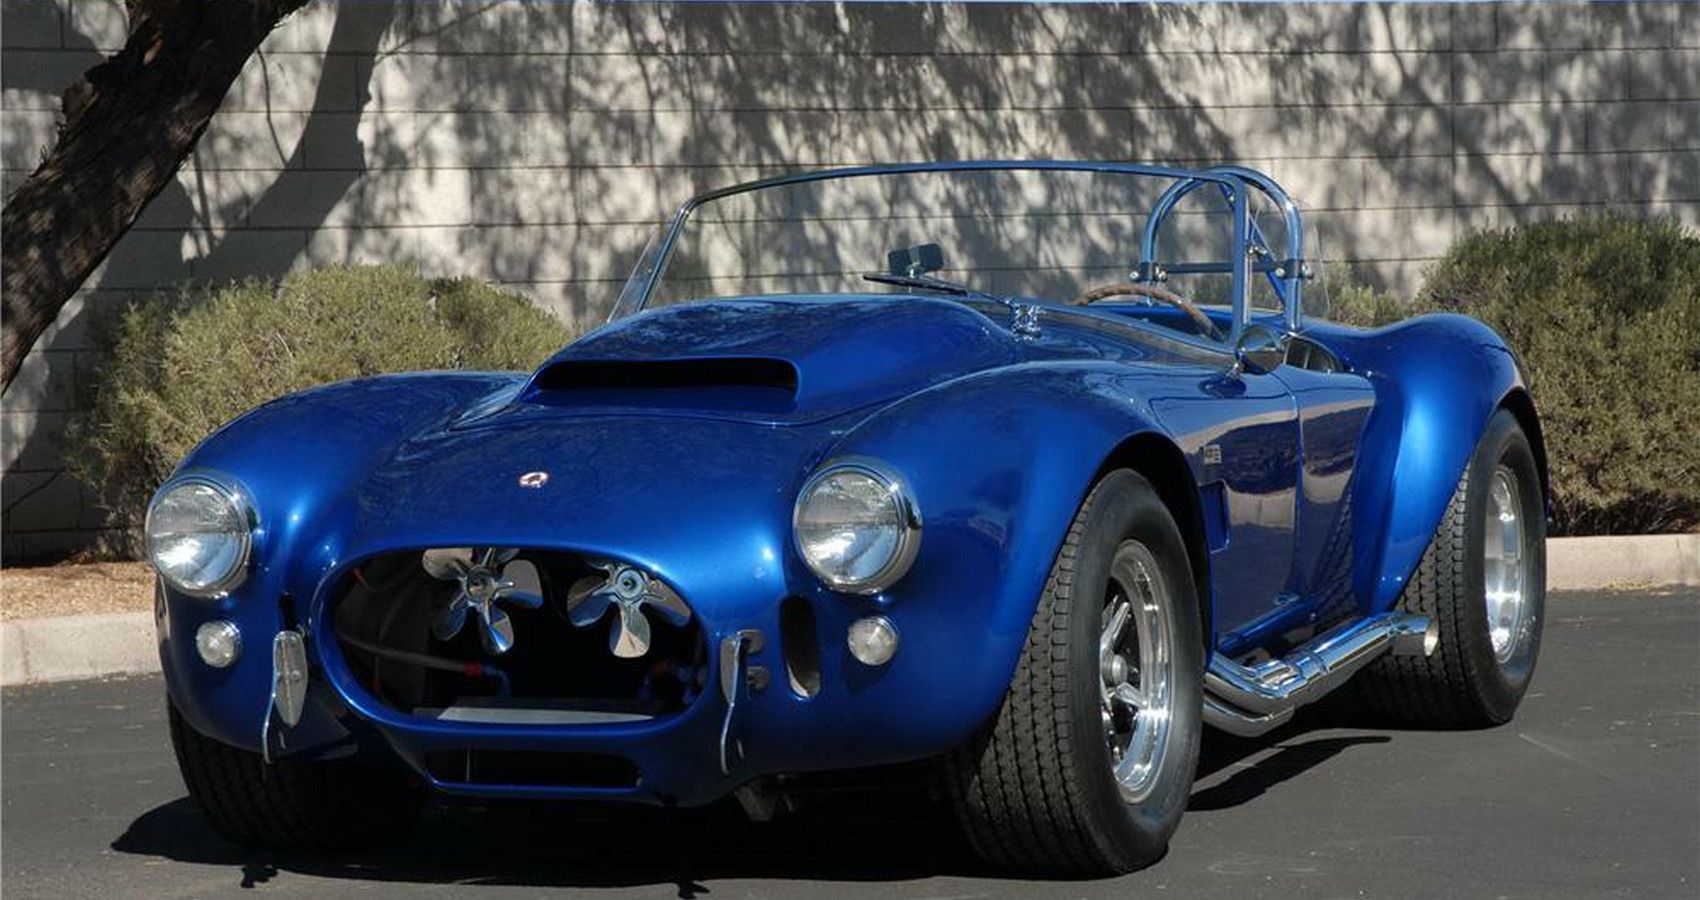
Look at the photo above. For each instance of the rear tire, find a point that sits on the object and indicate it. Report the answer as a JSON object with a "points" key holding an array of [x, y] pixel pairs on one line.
{"points": [[1048, 786], [290, 804], [1479, 672]]}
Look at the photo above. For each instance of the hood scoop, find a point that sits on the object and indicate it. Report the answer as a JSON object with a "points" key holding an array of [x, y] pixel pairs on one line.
{"points": [[669, 374], [783, 360], [751, 383]]}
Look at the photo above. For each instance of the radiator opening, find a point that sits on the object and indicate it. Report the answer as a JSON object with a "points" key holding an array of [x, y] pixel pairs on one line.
{"points": [[559, 666]]}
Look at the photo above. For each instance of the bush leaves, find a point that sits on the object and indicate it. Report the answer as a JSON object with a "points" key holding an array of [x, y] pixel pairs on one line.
{"points": [[180, 365], [1604, 312]]}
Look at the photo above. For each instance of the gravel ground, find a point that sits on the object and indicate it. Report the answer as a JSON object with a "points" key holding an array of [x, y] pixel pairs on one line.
{"points": [[75, 589]]}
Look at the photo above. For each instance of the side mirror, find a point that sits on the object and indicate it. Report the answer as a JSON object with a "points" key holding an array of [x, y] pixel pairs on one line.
{"points": [[1259, 350]]}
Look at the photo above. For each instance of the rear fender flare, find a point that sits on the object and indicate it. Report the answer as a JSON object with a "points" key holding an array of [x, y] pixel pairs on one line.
{"points": [[1438, 380]]}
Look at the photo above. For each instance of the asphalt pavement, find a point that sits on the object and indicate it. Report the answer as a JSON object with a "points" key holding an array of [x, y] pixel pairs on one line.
{"points": [[1594, 790]]}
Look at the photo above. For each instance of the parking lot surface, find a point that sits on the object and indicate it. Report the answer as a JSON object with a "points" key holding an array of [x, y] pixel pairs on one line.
{"points": [[1594, 790]]}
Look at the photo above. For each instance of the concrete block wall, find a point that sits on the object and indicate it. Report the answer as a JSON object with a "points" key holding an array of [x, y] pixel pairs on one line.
{"points": [[536, 144]]}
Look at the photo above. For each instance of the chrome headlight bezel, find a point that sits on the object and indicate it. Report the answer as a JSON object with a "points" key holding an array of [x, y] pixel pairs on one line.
{"points": [[906, 515], [236, 505]]}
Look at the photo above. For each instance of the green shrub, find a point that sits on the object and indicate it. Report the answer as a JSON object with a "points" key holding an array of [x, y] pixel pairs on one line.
{"points": [[179, 365], [1605, 314], [1348, 301]]}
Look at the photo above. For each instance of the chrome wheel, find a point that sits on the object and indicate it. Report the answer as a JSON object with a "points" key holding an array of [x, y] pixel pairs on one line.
{"points": [[1136, 670], [1505, 568]]}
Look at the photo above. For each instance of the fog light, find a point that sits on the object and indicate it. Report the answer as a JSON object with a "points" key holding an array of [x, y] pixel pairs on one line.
{"points": [[219, 643], [873, 640]]}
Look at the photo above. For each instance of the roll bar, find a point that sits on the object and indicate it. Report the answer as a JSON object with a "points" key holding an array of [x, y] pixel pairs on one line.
{"points": [[1286, 274]]}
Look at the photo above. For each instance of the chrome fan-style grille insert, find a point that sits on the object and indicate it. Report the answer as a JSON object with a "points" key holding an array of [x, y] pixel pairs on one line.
{"points": [[630, 591], [487, 576]]}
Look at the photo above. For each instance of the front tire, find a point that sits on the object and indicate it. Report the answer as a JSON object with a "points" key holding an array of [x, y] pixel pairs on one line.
{"points": [[1088, 765], [292, 804], [1483, 581]]}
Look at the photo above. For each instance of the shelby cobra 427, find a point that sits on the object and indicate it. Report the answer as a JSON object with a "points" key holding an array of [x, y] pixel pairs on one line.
{"points": [[1031, 470]]}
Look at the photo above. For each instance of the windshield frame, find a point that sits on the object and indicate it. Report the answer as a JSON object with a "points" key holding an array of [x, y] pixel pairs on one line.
{"points": [[1287, 274]]}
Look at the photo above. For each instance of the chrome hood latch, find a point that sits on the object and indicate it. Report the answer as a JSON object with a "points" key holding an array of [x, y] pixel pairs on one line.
{"points": [[289, 687], [736, 674]]}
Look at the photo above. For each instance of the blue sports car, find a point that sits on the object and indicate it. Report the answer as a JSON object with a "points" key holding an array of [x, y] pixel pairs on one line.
{"points": [[1025, 472]]}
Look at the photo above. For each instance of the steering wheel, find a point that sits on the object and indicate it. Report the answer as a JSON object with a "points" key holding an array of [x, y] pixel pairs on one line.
{"points": [[1164, 295]]}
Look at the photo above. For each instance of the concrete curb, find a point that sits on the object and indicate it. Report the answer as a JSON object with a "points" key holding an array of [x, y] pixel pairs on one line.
{"points": [[70, 647], [1651, 560], [65, 648]]}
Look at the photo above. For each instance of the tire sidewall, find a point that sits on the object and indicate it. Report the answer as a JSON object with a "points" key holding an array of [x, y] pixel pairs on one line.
{"points": [[294, 804], [1501, 686], [1130, 834]]}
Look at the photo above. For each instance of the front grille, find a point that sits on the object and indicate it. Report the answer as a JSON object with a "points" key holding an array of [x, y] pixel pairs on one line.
{"points": [[555, 672]]}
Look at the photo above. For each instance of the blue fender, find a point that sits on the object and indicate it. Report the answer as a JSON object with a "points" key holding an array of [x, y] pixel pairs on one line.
{"points": [[999, 463], [337, 433], [1438, 380]]}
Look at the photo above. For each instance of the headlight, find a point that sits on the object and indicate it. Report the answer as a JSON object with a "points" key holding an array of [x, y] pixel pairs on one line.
{"points": [[856, 526], [199, 533]]}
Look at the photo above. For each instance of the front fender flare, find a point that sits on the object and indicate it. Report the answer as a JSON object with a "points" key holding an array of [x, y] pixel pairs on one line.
{"points": [[999, 463], [299, 456]]}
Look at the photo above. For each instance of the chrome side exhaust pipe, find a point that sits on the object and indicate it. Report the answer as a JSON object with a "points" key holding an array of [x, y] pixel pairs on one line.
{"points": [[1251, 700]]}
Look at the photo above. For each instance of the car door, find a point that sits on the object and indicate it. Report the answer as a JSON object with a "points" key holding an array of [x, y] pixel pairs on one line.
{"points": [[1332, 406], [1242, 431]]}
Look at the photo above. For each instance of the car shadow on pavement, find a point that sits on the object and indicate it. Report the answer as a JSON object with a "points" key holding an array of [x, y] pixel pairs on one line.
{"points": [[601, 845], [1253, 766], [1251, 780], [877, 837]]}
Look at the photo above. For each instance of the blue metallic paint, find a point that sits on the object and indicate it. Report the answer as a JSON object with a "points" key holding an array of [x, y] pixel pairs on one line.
{"points": [[1437, 379], [302, 459], [1326, 493]]}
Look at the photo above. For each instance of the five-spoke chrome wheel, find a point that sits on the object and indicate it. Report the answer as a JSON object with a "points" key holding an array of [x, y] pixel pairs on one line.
{"points": [[1505, 575], [1136, 670]]}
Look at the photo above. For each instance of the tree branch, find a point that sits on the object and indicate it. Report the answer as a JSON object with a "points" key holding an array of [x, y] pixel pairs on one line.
{"points": [[129, 124]]}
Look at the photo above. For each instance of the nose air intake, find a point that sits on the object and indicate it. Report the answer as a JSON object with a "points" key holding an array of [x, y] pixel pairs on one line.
{"points": [[1251, 700]]}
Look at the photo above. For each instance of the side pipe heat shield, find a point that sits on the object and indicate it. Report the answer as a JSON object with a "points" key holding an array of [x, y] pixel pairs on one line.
{"points": [[1250, 700]]}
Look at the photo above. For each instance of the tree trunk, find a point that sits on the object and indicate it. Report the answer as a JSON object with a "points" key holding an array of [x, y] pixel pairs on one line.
{"points": [[129, 124]]}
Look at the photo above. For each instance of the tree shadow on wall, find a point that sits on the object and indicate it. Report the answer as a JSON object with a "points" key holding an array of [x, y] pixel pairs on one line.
{"points": [[576, 128], [536, 144], [189, 230]]}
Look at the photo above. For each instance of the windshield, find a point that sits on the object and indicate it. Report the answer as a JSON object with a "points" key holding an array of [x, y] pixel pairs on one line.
{"points": [[1034, 235]]}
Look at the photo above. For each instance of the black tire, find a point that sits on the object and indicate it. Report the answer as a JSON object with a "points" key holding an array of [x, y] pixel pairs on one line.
{"points": [[295, 805], [1034, 789], [1463, 684]]}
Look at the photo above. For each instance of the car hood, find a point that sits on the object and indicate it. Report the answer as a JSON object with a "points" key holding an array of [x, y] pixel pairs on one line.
{"points": [[650, 489], [784, 361], [692, 417]]}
